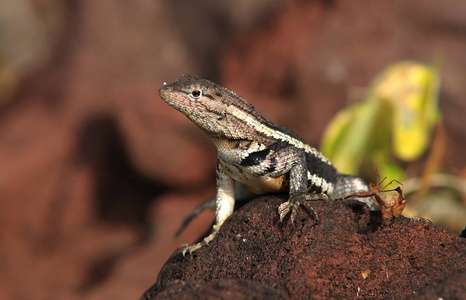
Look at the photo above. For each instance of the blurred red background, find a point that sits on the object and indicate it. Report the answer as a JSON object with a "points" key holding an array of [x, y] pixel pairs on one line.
{"points": [[97, 172]]}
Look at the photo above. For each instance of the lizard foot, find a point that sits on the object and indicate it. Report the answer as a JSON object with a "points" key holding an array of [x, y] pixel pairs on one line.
{"points": [[292, 205], [191, 248]]}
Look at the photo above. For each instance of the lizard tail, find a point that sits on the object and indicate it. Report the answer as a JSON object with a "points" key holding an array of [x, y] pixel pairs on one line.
{"points": [[349, 184]]}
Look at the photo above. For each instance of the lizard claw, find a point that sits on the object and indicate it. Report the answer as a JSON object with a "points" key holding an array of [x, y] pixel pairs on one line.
{"points": [[284, 209], [190, 249], [295, 201]]}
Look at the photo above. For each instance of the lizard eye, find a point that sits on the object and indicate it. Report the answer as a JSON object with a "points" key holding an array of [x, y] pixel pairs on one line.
{"points": [[196, 93]]}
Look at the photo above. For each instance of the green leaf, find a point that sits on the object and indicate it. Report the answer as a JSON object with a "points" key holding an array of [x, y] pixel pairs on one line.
{"points": [[387, 167], [393, 123], [347, 136]]}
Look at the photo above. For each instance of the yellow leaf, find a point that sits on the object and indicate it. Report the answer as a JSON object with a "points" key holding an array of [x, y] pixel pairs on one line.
{"points": [[412, 91]]}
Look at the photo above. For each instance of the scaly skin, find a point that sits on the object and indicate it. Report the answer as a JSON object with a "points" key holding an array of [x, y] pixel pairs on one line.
{"points": [[265, 157]]}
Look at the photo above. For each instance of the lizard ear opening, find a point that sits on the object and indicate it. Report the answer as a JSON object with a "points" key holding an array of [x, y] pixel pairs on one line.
{"points": [[221, 120]]}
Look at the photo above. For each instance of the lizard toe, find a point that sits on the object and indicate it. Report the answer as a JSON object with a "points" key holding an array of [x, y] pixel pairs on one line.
{"points": [[283, 210], [296, 200]]}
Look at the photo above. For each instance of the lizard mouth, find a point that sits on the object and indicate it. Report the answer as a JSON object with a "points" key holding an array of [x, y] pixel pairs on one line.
{"points": [[166, 93], [174, 98]]}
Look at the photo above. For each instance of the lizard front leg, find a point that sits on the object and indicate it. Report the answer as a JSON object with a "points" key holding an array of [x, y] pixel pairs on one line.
{"points": [[224, 206], [298, 191]]}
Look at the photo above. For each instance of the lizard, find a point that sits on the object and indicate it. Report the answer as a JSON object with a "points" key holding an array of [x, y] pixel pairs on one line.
{"points": [[265, 157]]}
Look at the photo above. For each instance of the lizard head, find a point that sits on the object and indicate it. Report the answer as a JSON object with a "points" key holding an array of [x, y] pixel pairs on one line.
{"points": [[210, 106]]}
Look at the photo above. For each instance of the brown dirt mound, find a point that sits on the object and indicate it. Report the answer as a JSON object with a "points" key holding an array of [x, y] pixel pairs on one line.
{"points": [[349, 252]]}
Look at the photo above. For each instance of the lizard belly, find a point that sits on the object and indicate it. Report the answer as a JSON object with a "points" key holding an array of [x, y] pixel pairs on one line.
{"points": [[267, 184], [258, 184]]}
